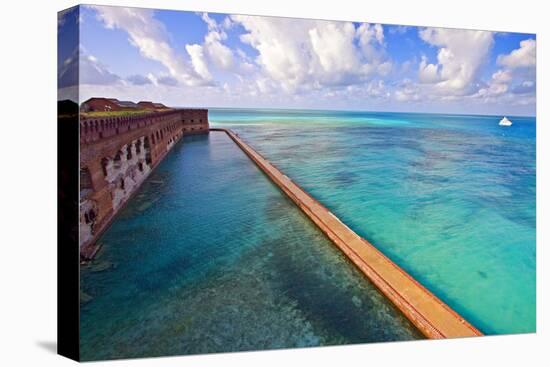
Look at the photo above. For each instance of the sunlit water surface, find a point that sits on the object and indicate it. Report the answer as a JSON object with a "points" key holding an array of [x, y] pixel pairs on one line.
{"points": [[210, 256], [450, 198]]}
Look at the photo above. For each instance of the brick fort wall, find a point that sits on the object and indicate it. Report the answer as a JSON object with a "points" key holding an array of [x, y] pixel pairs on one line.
{"points": [[117, 154]]}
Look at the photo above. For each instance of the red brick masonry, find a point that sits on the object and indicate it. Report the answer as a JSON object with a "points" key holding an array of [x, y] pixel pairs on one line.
{"points": [[117, 154]]}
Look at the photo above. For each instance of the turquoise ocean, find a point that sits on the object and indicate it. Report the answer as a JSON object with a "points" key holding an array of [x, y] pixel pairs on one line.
{"points": [[210, 256]]}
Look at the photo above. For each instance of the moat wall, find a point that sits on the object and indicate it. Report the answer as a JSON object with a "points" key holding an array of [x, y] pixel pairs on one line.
{"points": [[117, 154], [430, 315]]}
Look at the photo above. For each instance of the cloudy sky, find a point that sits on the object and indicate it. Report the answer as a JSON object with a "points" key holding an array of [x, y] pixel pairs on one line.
{"points": [[219, 60]]}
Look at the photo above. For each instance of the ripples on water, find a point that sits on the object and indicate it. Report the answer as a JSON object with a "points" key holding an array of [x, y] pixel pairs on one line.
{"points": [[210, 257], [449, 198]]}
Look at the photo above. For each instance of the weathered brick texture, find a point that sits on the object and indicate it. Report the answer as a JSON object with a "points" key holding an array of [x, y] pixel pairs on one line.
{"points": [[117, 154]]}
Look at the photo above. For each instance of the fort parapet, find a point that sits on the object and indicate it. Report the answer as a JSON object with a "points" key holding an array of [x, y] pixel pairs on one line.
{"points": [[117, 154]]}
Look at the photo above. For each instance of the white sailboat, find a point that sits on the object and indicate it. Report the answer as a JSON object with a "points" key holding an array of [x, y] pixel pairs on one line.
{"points": [[505, 122]]}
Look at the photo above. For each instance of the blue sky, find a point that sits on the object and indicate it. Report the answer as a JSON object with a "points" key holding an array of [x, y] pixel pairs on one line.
{"points": [[219, 60]]}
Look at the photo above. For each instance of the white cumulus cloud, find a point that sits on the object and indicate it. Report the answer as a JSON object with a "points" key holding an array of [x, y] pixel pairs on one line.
{"points": [[301, 54], [198, 60], [461, 53], [428, 73], [514, 83], [212, 52], [524, 56], [149, 36], [407, 91]]}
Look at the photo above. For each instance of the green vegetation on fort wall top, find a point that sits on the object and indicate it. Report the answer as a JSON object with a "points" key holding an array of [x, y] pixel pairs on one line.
{"points": [[93, 114]]}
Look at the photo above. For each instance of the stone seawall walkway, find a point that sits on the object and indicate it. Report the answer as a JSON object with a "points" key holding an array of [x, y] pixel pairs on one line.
{"points": [[428, 313]]}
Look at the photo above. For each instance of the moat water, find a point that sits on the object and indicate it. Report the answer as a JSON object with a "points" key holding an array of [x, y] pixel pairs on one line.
{"points": [[210, 256], [450, 198]]}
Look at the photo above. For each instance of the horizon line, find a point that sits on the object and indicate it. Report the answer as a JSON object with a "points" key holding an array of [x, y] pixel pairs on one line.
{"points": [[359, 111], [335, 110]]}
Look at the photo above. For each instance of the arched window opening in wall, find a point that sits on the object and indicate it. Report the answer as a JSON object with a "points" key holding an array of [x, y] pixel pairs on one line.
{"points": [[104, 163], [129, 152], [138, 147], [146, 143], [122, 183], [89, 216], [117, 161], [140, 167], [85, 179]]}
